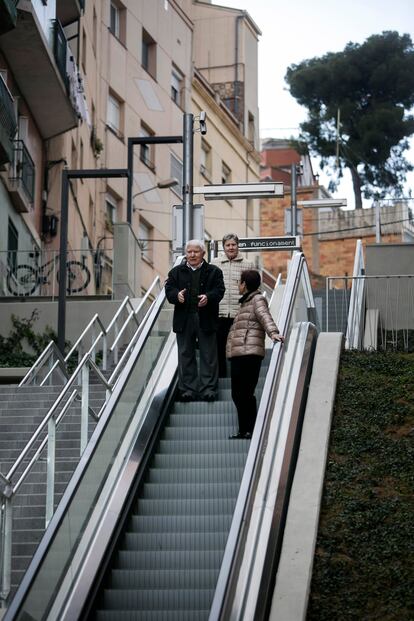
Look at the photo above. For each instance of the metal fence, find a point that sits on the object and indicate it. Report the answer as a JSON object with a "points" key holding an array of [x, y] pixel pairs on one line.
{"points": [[32, 273], [379, 317]]}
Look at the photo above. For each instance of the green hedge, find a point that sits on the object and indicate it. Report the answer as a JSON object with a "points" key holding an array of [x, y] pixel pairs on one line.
{"points": [[364, 562], [13, 348]]}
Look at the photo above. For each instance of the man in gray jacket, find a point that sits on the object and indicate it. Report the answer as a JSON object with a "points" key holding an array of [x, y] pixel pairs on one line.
{"points": [[232, 265]]}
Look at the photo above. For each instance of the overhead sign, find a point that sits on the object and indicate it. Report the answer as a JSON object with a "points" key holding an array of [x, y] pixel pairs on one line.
{"points": [[269, 243], [229, 191]]}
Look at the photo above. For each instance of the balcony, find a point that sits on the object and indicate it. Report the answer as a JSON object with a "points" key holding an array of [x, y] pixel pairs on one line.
{"points": [[68, 11], [40, 72], [8, 15], [7, 124], [21, 178]]}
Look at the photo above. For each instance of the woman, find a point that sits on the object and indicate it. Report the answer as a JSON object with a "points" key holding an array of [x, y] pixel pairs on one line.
{"points": [[246, 349], [232, 264]]}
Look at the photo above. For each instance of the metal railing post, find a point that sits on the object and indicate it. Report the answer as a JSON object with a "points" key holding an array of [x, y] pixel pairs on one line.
{"points": [[116, 331], [104, 353], [51, 468], [6, 548], [84, 407], [93, 340]]}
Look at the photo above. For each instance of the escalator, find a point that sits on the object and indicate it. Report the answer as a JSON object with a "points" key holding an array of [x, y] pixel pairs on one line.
{"points": [[167, 558], [155, 521]]}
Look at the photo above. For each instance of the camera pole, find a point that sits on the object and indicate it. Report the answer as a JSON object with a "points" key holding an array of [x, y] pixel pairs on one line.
{"points": [[188, 147]]}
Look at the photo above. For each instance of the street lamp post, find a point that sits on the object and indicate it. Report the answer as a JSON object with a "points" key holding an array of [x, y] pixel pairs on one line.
{"points": [[143, 140], [105, 173], [162, 185]]}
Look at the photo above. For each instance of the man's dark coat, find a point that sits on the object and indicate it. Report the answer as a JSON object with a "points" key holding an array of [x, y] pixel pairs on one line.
{"points": [[211, 284]]}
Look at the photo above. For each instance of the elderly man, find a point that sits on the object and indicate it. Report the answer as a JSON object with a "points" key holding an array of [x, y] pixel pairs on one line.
{"points": [[196, 288], [232, 265]]}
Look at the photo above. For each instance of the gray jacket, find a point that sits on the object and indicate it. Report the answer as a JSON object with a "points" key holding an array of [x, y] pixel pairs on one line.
{"points": [[229, 304], [247, 333]]}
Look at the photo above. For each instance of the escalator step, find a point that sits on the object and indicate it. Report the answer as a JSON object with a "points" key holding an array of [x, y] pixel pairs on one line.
{"points": [[144, 579], [199, 447], [196, 475], [185, 507], [166, 599], [195, 433], [226, 460], [209, 419], [152, 615], [201, 407], [168, 559], [179, 523], [174, 541], [189, 491]]}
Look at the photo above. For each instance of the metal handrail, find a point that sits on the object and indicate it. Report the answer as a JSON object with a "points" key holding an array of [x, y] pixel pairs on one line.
{"points": [[41, 447], [57, 517], [135, 312], [86, 359], [50, 413], [62, 361], [34, 368], [258, 439]]}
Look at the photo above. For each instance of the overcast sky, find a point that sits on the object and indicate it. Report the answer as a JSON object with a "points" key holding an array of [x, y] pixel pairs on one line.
{"points": [[299, 29]]}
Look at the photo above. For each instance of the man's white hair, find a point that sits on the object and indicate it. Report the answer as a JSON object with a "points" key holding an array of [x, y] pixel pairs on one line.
{"points": [[195, 242]]}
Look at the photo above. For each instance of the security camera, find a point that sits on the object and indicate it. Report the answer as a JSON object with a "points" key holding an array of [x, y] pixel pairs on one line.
{"points": [[202, 120]]}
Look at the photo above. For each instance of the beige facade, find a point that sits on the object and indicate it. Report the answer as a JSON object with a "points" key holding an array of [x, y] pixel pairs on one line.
{"points": [[139, 66]]}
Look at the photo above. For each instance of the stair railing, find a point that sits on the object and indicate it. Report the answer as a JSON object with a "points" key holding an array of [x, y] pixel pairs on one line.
{"points": [[355, 322], [95, 324], [245, 571], [80, 379], [107, 420]]}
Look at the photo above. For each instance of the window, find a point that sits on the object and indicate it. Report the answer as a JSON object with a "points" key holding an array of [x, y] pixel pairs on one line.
{"points": [[95, 30], [177, 86], [111, 208], [117, 20], [84, 51], [149, 54], [225, 173], [114, 20], [12, 245], [114, 114], [147, 151], [177, 172], [145, 232], [251, 129], [205, 159]]}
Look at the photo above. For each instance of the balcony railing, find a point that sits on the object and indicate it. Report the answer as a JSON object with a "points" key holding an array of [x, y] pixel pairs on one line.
{"points": [[23, 170], [8, 123], [60, 50], [8, 15]]}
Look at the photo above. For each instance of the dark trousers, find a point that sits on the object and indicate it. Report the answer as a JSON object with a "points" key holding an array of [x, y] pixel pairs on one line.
{"points": [[189, 379], [225, 324], [244, 376]]}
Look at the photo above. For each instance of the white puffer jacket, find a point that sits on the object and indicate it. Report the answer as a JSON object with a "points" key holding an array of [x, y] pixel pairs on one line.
{"points": [[229, 304], [247, 333]]}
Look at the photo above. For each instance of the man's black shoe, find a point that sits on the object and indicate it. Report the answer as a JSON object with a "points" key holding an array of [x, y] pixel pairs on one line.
{"points": [[210, 396], [184, 397]]}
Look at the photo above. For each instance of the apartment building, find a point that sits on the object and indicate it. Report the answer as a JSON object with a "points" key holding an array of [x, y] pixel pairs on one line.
{"points": [[329, 234], [80, 77]]}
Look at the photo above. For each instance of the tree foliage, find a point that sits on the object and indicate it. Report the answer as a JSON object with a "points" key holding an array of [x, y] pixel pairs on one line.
{"points": [[372, 85]]}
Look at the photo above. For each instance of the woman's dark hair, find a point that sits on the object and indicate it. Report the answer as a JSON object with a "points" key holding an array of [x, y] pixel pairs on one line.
{"points": [[251, 278]]}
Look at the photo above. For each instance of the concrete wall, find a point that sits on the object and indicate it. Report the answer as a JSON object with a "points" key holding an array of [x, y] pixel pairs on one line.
{"points": [[78, 314], [392, 297]]}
